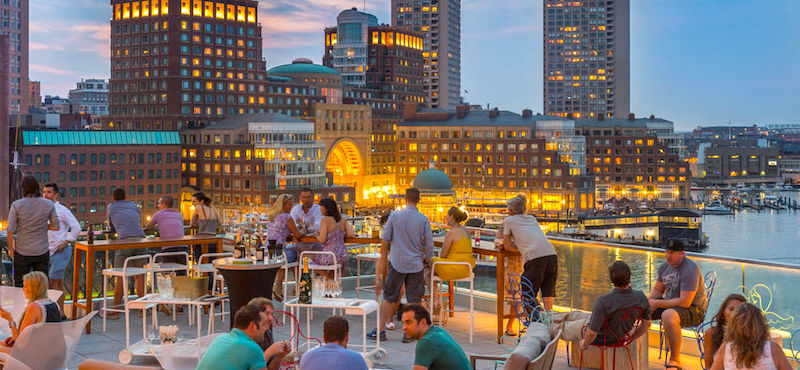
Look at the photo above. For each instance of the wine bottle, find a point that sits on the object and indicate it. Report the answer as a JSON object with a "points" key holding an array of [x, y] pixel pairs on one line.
{"points": [[90, 234], [305, 284]]}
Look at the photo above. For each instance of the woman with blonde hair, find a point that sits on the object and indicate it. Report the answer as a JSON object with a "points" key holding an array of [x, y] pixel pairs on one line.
{"points": [[282, 228], [457, 247], [747, 344], [39, 309]]}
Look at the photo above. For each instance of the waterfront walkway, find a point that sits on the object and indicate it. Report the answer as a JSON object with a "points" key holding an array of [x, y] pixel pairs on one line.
{"points": [[106, 346]]}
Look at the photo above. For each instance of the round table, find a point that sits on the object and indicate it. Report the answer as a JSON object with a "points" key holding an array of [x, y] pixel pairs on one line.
{"points": [[246, 281]]}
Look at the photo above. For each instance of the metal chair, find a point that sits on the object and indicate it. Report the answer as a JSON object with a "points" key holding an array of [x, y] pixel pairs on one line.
{"points": [[371, 257], [336, 267], [523, 301], [124, 273], [470, 279], [709, 280], [205, 266], [795, 353], [629, 314]]}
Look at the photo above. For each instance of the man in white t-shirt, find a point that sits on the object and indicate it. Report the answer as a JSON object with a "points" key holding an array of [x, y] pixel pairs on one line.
{"points": [[538, 255], [307, 214]]}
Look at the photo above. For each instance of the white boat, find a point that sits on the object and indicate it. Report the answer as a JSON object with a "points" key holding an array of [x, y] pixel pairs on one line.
{"points": [[716, 208]]}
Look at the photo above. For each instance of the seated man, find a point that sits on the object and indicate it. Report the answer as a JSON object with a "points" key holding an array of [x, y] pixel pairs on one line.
{"points": [[239, 348], [612, 305], [333, 355], [678, 297], [278, 350], [436, 349]]}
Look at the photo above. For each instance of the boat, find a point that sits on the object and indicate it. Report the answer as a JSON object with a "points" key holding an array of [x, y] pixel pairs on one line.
{"points": [[716, 208], [650, 229], [771, 201], [741, 187]]}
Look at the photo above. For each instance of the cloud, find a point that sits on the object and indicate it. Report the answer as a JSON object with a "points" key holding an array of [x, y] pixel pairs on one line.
{"points": [[50, 70]]}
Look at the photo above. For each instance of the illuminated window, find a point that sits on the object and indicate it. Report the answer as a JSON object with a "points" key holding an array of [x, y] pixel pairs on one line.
{"points": [[231, 12], [197, 8], [208, 9], [251, 15], [185, 7], [164, 7], [126, 10], [155, 7], [145, 8], [117, 11], [135, 10], [240, 13], [220, 10]]}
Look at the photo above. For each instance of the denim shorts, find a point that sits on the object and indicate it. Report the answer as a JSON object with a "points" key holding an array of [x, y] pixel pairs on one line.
{"points": [[59, 262]]}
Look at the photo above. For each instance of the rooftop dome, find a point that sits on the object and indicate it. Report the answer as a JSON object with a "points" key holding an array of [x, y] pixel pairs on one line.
{"points": [[432, 179], [302, 66]]}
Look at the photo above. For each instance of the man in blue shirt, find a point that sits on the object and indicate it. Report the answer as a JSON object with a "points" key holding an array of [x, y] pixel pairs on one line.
{"points": [[125, 220], [333, 355], [239, 350]]}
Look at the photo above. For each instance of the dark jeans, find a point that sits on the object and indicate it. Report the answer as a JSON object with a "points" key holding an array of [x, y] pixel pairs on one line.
{"points": [[26, 264], [197, 251]]}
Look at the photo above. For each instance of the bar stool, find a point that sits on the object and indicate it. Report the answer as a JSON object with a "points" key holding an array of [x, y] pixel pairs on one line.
{"points": [[205, 266], [450, 294], [124, 273], [166, 267], [371, 257], [286, 267]]}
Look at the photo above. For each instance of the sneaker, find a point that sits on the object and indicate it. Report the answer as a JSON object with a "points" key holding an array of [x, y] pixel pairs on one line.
{"points": [[390, 326], [405, 339], [374, 334]]}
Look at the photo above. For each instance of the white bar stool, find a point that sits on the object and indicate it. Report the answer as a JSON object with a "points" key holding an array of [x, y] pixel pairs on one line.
{"points": [[445, 309], [124, 273], [166, 267], [371, 257], [204, 266]]}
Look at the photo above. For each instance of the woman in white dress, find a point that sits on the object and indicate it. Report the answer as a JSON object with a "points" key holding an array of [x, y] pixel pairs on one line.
{"points": [[747, 344]]}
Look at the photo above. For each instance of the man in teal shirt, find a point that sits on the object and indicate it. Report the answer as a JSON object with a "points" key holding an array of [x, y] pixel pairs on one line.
{"points": [[436, 349], [239, 350]]}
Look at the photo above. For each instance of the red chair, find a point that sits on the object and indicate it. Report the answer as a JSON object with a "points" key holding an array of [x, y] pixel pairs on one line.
{"points": [[630, 314]]}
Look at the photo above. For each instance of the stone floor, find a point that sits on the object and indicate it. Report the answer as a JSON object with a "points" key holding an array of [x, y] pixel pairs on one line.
{"points": [[106, 346]]}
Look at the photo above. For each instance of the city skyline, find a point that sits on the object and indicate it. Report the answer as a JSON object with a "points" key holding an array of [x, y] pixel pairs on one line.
{"points": [[741, 77]]}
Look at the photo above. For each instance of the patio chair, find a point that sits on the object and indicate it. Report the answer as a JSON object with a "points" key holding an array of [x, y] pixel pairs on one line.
{"points": [[205, 266], [123, 272], [531, 354], [710, 280], [450, 295], [629, 314], [14, 301], [523, 301], [46, 345]]}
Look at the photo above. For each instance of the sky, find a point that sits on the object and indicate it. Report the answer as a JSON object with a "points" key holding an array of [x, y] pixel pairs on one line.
{"points": [[694, 62]]}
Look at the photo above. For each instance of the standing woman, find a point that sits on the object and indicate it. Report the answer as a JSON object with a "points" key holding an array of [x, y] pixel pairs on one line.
{"points": [[281, 228], [332, 231], [205, 219]]}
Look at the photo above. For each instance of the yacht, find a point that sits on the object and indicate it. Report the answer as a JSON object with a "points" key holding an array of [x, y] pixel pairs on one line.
{"points": [[716, 208]]}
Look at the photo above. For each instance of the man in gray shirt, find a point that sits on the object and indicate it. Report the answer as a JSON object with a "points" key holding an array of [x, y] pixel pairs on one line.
{"points": [[28, 218], [678, 297], [411, 238], [125, 220]]}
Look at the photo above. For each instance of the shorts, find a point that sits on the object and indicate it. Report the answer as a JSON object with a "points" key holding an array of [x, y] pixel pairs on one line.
{"points": [[122, 254], [59, 262], [691, 316], [415, 286], [542, 272]]}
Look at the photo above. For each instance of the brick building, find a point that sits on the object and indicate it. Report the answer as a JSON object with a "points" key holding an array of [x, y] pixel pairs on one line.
{"points": [[491, 156], [14, 22], [5, 111], [89, 165]]}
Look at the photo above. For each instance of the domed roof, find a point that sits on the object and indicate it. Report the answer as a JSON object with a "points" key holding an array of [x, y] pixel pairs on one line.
{"points": [[302, 66], [432, 179]]}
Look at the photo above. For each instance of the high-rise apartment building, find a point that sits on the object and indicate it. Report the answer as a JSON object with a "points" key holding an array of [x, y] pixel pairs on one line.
{"points": [[5, 111], [440, 25], [175, 62], [14, 23], [90, 97], [587, 58]]}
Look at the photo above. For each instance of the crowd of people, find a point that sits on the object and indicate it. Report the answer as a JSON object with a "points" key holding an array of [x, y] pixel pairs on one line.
{"points": [[41, 232]]}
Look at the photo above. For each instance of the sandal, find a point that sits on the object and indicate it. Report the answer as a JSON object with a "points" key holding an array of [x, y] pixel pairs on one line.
{"points": [[510, 334], [673, 366]]}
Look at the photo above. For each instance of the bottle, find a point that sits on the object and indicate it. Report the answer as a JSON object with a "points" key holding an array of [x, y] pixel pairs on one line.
{"points": [[305, 284], [89, 234], [259, 250], [477, 239]]}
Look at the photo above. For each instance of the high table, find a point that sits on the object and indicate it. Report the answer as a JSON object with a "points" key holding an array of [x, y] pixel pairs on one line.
{"points": [[246, 281], [112, 245]]}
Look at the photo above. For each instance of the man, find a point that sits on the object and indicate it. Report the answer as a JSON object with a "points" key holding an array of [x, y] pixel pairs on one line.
{"points": [[61, 241], [281, 349], [678, 297], [307, 214], [28, 219], [239, 349], [333, 355], [169, 223], [436, 349], [538, 255], [126, 221], [612, 305], [409, 233]]}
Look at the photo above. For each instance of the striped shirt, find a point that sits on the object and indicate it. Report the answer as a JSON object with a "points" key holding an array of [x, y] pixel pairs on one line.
{"points": [[409, 233]]}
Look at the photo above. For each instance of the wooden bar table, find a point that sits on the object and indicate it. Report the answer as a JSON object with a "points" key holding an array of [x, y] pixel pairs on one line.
{"points": [[112, 245]]}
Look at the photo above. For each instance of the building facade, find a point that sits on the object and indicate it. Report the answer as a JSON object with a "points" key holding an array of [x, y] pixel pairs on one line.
{"points": [[35, 90], [749, 161], [247, 161], [14, 22], [440, 24], [88, 165], [292, 89], [491, 156], [90, 97], [586, 58], [5, 112], [628, 159], [175, 62]]}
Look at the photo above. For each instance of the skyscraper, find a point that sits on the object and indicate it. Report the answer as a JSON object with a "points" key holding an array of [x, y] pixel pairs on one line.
{"points": [[5, 111], [179, 62], [587, 58], [440, 24], [14, 23]]}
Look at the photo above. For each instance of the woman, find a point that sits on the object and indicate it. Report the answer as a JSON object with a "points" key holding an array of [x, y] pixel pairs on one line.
{"points": [[332, 231], [713, 337], [39, 309], [747, 344], [457, 247], [281, 228], [205, 219]]}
